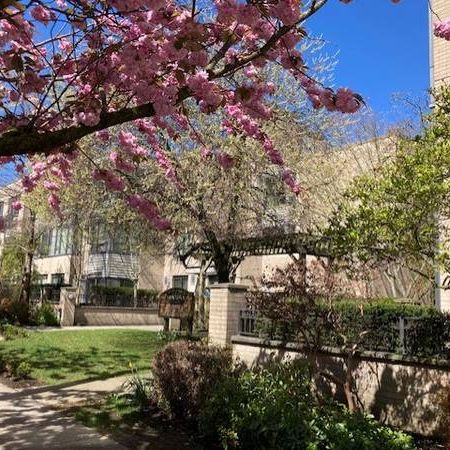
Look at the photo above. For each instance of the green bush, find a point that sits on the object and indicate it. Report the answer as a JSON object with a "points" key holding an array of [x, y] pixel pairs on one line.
{"points": [[14, 311], [22, 370], [373, 324], [122, 296], [45, 315], [267, 409], [185, 373], [273, 409], [10, 332]]}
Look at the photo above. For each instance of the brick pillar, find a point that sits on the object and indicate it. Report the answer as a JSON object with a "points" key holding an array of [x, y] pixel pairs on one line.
{"points": [[226, 301]]}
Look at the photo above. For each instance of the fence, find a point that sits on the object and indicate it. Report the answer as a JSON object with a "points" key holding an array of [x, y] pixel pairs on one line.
{"points": [[121, 298], [412, 336]]}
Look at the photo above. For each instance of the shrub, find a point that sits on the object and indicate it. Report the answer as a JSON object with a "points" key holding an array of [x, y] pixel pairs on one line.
{"points": [[122, 296], [45, 315], [273, 409], [22, 370], [372, 324], [267, 409], [137, 390], [185, 373], [10, 332], [14, 311]]}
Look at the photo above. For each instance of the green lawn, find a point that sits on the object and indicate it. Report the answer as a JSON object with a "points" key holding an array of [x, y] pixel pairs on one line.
{"points": [[62, 356]]}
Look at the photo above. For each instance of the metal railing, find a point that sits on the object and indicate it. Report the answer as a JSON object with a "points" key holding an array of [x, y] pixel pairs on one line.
{"points": [[403, 336], [120, 301]]}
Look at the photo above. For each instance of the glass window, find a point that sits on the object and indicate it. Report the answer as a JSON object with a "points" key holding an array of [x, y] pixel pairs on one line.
{"points": [[42, 278], [105, 240], [180, 281], [57, 279], [98, 238], [55, 242], [212, 279], [2, 206]]}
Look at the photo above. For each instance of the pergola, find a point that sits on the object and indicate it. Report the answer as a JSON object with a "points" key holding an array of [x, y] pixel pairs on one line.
{"points": [[268, 244]]}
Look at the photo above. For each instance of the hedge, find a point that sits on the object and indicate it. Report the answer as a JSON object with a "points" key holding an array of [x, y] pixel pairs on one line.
{"points": [[121, 296], [374, 325]]}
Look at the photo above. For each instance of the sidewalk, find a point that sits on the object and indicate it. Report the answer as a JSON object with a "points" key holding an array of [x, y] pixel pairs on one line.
{"points": [[98, 327], [27, 421]]}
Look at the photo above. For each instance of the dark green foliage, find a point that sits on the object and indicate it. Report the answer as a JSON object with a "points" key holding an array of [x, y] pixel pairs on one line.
{"points": [[373, 325], [137, 390], [45, 315], [186, 372], [122, 296], [275, 409], [10, 332], [14, 311]]}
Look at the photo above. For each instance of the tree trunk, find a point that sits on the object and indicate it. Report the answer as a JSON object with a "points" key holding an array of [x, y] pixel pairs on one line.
{"points": [[199, 314], [25, 289], [135, 293], [223, 265]]}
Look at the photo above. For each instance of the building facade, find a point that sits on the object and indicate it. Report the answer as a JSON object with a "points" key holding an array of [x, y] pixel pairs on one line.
{"points": [[439, 48]]}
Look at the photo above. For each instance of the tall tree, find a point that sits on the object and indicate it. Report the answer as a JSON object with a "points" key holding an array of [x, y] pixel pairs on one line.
{"points": [[401, 213], [72, 68]]}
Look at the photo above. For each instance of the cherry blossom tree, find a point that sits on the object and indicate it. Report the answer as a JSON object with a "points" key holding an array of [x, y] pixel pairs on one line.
{"points": [[71, 68]]}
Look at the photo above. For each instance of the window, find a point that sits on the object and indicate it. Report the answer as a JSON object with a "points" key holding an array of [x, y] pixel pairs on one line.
{"points": [[42, 278], [98, 239], [2, 206], [55, 242], [180, 281], [113, 240], [57, 279]]}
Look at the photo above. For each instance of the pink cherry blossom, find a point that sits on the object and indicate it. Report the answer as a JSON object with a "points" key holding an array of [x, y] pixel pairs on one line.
{"points": [[16, 205], [442, 29]]}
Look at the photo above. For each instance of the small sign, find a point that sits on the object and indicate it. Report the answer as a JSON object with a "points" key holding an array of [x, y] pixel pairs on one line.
{"points": [[176, 303]]}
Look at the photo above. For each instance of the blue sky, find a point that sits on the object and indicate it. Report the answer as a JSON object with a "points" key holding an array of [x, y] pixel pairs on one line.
{"points": [[383, 48]]}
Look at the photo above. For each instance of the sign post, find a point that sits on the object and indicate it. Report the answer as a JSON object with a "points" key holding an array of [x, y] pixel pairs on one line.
{"points": [[176, 303]]}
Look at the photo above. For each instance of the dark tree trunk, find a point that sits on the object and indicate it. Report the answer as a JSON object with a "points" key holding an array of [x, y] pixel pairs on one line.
{"points": [[223, 266], [200, 309]]}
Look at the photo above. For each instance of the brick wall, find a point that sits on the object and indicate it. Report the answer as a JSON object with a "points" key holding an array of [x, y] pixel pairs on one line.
{"points": [[440, 48], [408, 394]]}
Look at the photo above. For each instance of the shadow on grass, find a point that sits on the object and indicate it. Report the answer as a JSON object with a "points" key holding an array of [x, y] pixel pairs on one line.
{"points": [[53, 362], [135, 429]]}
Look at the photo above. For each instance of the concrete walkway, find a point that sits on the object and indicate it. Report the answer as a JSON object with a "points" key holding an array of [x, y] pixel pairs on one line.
{"points": [[29, 418], [99, 327]]}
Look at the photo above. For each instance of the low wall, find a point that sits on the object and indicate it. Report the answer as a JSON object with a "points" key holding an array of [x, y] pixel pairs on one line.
{"points": [[109, 315], [408, 393]]}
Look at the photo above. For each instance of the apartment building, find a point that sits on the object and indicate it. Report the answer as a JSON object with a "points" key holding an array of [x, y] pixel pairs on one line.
{"points": [[439, 48]]}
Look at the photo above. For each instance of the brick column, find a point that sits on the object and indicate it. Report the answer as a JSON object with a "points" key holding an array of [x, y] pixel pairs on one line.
{"points": [[226, 301]]}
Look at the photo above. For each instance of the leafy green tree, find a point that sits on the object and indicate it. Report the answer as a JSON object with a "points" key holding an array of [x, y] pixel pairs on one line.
{"points": [[401, 212]]}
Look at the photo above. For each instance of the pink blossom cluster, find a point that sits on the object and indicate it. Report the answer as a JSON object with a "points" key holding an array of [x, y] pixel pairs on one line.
{"points": [[149, 210], [225, 160], [129, 144], [111, 180], [343, 100], [148, 128], [121, 163], [442, 29], [250, 127], [16, 205]]}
